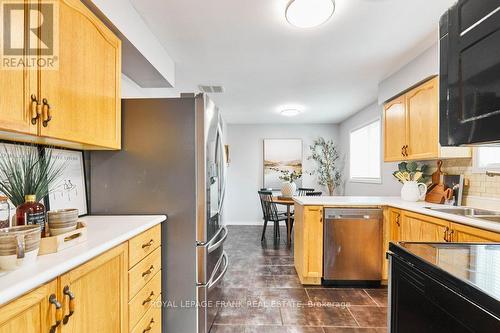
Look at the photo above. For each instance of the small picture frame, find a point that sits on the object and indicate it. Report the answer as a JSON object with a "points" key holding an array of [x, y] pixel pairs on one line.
{"points": [[70, 190]]}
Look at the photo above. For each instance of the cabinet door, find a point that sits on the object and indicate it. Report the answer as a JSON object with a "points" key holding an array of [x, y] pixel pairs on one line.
{"points": [[392, 224], [16, 87], [99, 288], [31, 313], [421, 228], [84, 93], [308, 248], [422, 120], [394, 129], [466, 234]]}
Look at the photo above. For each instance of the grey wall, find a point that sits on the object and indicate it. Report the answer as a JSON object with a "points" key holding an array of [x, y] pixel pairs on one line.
{"points": [[421, 67], [245, 171]]}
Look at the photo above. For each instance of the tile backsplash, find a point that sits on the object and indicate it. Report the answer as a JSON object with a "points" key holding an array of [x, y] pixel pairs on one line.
{"points": [[481, 190]]}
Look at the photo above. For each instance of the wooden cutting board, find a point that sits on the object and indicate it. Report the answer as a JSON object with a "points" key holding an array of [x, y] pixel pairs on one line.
{"points": [[437, 192]]}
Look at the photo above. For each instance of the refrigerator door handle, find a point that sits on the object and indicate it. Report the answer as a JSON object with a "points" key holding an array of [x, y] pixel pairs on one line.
{"points": [[213, 281], [215, 246]]}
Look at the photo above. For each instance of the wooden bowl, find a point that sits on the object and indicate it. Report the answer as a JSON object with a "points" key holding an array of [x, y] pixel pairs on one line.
{"points": [[30, 235], [62, 215]]}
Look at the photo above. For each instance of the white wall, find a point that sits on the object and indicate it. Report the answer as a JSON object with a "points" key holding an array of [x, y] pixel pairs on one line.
{"points": [[389, 185], [245, 171], [421, 67]]}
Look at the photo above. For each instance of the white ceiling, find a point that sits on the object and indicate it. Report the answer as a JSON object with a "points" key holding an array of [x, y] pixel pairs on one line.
{"points": [[264, 63]]}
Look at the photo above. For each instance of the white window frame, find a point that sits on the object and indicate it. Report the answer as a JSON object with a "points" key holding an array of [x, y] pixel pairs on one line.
{"points": [[365, 180], [475, 163]]}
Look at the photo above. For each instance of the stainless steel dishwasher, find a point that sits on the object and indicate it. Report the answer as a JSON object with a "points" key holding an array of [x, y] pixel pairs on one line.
{"points": [[352, 246]]}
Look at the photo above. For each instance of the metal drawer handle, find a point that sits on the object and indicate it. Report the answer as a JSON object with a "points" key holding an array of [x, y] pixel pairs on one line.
{"points": [[53, 300], [71, 296], [35, 109], [149, 271], [149, 299], [46, 116], [148, 244], [150, 326]]}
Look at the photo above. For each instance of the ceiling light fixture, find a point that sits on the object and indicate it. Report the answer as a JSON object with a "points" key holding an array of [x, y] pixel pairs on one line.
{"points": [[309, 13], [290, 112]]}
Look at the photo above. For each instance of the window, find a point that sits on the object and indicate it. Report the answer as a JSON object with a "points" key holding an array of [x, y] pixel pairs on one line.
{"points": [[487, 158], [364, 156]]}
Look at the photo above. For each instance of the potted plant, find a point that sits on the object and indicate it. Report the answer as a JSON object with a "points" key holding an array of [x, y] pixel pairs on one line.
{"points": [[23, 172], [327, 158], [288, 187], [413, 178]]}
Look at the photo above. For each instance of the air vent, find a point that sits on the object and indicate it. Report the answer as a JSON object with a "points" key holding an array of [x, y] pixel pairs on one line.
{"points": [[211, 89]]}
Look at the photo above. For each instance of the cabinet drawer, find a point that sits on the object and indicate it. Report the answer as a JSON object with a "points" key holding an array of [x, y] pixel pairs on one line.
{"points": [[151, 322], [142, 245], [143, 300], [144, 272]]}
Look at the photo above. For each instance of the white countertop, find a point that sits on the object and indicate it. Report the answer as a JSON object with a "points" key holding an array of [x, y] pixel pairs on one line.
{"points": [[103, 233], [397, 202]]}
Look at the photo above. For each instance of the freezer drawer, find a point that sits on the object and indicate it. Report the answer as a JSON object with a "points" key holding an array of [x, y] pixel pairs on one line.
{"points": [[352, 245], [208, 296]]}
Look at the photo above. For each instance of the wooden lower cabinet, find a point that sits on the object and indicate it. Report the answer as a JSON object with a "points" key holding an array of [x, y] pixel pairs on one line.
{"points": [[420, 228], [308, 247], [99, 288], [31, 313], [464, 234], [94, 297]]}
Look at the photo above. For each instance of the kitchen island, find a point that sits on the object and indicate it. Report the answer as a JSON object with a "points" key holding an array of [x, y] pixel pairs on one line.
{"points": [[402, 221]]}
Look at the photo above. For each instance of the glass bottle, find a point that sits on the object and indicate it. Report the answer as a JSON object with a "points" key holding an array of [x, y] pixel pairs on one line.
{"points": [[32, 212]]}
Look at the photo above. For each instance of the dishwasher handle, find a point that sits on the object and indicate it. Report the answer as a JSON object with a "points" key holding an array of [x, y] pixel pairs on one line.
{"points": [[353, 214], [352, 217]]}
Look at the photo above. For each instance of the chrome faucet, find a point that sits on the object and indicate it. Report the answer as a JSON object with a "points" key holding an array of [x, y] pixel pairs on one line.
{"points": [[492, 173]]}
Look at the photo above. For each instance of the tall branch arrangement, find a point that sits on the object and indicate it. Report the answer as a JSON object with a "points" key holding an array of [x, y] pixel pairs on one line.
{"points": [[24, 172], [327, 157]]}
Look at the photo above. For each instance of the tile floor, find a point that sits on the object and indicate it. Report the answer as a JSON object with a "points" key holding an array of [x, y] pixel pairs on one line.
{"points": [[262, 293]]}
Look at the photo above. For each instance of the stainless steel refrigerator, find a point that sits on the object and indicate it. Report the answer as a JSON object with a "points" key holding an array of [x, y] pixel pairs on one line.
{"points": [[172, 162]]}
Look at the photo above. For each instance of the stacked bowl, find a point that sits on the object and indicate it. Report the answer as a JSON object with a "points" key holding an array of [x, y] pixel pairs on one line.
{"points": [[19, 246], [62, 221]]}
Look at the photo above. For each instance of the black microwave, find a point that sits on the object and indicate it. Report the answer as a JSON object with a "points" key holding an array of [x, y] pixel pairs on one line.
{"points": [[470, 74]]}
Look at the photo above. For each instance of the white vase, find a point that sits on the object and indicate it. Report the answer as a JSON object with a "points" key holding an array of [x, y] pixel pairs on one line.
{"points": [[288, 189], [413, 191]]}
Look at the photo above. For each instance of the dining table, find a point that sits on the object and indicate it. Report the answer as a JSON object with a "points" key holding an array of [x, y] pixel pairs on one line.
{"points": [[288, 202]]}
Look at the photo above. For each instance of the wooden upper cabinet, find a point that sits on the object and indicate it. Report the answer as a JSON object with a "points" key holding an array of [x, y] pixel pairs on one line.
{"points": [[422, 121], [411, 126], [84, 93], [16, 85], [99, 291], [395, 129], [31, 313]]}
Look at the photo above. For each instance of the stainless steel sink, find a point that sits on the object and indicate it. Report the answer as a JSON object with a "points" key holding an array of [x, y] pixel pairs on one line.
{"points": [[483, 214]]}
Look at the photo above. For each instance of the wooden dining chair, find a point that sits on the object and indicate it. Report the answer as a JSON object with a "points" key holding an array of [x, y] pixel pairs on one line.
{"points": [[271, 214], [314, 194], [301, 191]]}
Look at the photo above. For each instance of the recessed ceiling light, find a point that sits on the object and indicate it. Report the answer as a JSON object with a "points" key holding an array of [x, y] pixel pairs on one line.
{"points": [[309, 13], [290, 112]]}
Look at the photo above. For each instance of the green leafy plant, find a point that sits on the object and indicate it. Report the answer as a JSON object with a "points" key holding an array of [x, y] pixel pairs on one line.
{"points": [[411, 171], [327, 158], [24, 172], [288, 176]]}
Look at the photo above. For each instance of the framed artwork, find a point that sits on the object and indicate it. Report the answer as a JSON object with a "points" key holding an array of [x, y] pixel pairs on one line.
{"points": [[280, 155], [69, 191]]}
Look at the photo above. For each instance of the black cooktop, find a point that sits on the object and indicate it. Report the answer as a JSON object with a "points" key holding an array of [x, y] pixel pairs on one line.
{"points": [[472, 270]]}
